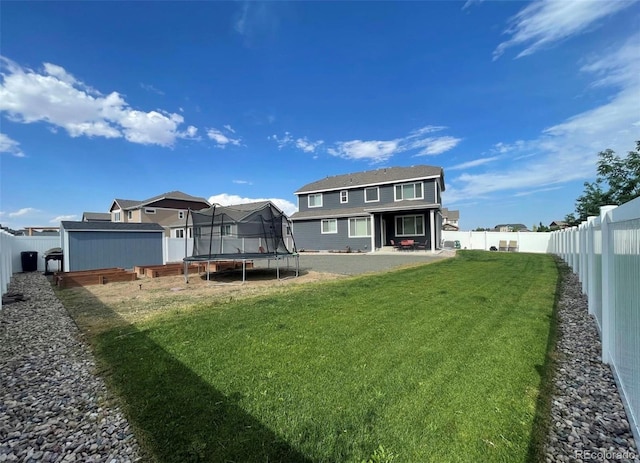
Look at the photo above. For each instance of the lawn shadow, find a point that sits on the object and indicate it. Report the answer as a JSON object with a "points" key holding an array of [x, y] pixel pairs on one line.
{"points": [[547, 372], [255, 274], [176, 415]]}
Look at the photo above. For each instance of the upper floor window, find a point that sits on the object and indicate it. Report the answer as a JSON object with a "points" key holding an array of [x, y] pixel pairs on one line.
{"points": [[129, 215], [329, 226], [344, 196], [117, 216], [149, 210], [180, 233], [315, 200], [408, 191], [181, 215], [371, 194], [225, 230]]}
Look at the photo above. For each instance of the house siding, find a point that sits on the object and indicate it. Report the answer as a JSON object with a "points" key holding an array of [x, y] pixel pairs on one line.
{"points": [[309, 237], [89, 250], [331, 199]]}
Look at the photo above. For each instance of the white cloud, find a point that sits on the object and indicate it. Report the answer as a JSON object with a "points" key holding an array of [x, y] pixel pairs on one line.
{"points": [[221, 139], [303, 144], [539, 190], [308, 146], [151, 88], [545, 22], [568, 151], [56, 97], [376, 151], [22, 212], [282, 142], [7, 145], [60, 218], [468, 3], [229, 128], [225, 199], [381, 150], [474, 163], [242, 182]]}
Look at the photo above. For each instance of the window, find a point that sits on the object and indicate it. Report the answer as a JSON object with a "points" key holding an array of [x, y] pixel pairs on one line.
{"points": [[149, 211], [408, 191], [315, 200], [329, 226], [410, 225], [180, 215], [371, 194], [225, 230], [360, 227], [344, 196], [288, 231], [117, 217], [129, 215], [180, 233]]}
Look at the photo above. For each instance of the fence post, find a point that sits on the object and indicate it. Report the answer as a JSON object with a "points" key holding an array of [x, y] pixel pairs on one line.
{"points": [[608, 277], [591, 262]]}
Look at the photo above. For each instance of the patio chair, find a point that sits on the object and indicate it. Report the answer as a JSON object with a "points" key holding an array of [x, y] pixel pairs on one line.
{"points": [[424, 245], [503, 245], [513, 246], [397, 247]]}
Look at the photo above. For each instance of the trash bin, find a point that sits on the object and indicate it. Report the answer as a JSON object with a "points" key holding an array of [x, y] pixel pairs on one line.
{"points": [[29, 261]]}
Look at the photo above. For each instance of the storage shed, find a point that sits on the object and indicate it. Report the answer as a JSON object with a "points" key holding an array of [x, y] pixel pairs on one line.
{"points": [[94, 245]]}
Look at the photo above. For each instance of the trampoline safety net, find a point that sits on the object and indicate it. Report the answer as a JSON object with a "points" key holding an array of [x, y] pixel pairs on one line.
{"points": [[240, 231]]}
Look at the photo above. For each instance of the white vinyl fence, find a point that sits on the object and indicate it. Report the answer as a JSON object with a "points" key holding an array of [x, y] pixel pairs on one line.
{"points": [[11, 248], [604, 252], [484, 240]]}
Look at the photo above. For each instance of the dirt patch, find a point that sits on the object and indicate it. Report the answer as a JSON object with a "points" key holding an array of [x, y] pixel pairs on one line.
{"points": [[100, 307]]}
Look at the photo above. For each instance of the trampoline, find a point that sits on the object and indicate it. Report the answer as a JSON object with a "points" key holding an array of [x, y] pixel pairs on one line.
{"points": [[242, 233]]}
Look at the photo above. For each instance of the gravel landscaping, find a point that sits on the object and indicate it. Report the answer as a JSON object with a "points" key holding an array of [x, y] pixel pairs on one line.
{"points": [[55, 408], [588, 420]]}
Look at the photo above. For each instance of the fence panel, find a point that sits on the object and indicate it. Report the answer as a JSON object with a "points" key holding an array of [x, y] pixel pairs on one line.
{"points": [[39, 244], [527, 241], [605, 253]]}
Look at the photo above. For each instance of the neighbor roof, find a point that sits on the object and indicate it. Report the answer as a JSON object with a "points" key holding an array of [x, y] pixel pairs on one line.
{"points": [[111, 226], [133, 203], [96, 217], [373, 177]]}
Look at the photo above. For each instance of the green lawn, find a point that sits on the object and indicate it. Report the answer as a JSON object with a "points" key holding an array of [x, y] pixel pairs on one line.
{"points": [[442, 362]]}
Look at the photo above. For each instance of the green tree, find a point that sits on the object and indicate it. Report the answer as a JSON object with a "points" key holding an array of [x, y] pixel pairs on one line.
{"points": [[618, 182]]}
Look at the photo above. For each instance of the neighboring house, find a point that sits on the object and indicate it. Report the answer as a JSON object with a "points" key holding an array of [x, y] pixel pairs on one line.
{"points": [[510, 227], [96, 217], [558, 225], [450, 219], [366, 211], [238, 226], [164, 209]]}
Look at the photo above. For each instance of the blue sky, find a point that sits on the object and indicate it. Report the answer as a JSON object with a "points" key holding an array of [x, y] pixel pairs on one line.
{"points": [[238, 101]]}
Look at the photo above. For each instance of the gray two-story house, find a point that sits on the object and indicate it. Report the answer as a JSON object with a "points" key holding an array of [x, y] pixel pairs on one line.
{"points": [[366, 211]]}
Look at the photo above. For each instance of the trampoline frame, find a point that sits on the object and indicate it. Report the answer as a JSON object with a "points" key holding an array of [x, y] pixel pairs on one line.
{"points": [[244, 258]]}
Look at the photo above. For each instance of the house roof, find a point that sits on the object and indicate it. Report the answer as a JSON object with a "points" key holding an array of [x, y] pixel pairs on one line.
{"points": [[110, 226], [558, 223], [236, 212], [96, 217], [126, 204], [451, 215], [373, 177], [515, 226]]}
